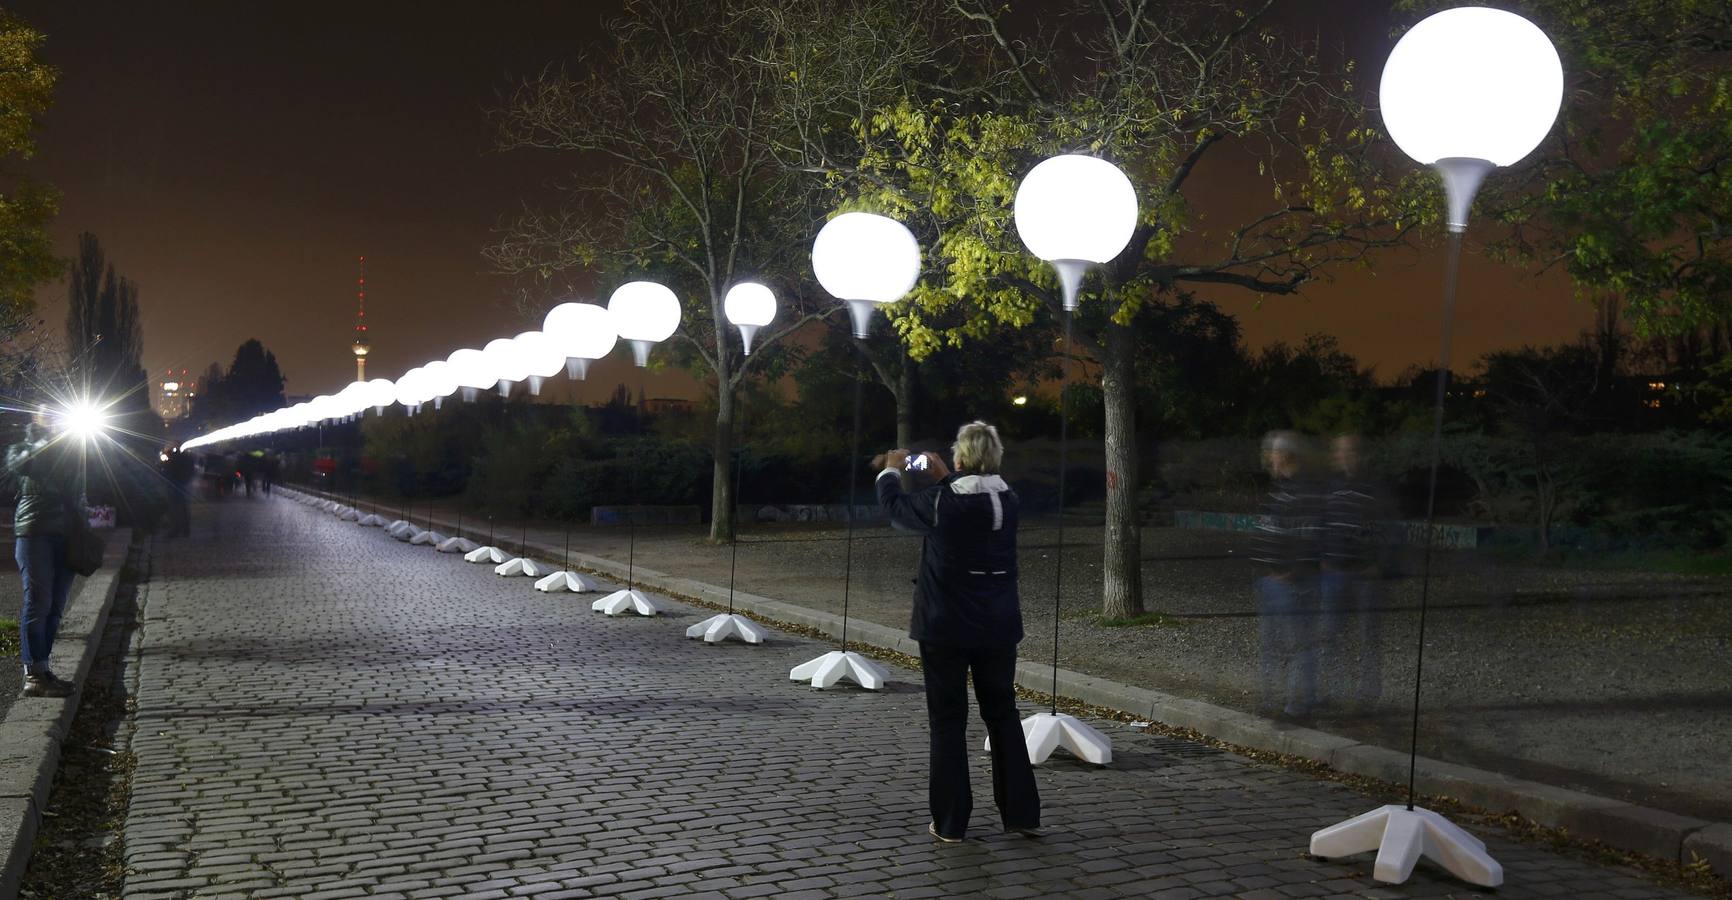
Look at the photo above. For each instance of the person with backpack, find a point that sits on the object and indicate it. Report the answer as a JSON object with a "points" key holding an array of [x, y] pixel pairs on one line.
{"points": [[47, 474]]}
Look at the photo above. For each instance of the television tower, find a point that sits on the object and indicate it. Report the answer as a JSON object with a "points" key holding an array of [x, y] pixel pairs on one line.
{"points": [[361, 345]]}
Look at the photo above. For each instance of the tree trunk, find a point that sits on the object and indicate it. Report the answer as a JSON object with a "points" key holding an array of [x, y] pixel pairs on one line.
{"points": [[722, 479], [1122, 575]]}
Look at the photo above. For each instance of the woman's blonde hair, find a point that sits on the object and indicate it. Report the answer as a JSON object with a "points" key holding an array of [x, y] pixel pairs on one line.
{"points": [[977, 449]]}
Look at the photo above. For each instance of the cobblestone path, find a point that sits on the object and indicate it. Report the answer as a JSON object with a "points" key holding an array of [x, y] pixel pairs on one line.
{"points": [[325, 712]]}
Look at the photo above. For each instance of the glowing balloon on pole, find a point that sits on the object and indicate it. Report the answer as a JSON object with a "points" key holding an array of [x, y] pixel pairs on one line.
{"points": [[438, 381], [645, 314], [584, 332], [1074, 212], [864, 260], [542, 358], [472, 371], [1468, 90], [1464, 91], [749, 306], [508, 363]]}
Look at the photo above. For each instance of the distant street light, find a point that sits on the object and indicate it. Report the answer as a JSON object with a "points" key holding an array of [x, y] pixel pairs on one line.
{"points": [[749, 307], [1465, 91], [584, 332], [865, 260]]}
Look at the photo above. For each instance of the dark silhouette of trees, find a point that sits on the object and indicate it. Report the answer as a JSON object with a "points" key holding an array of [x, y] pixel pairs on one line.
{"points": [[252, 386], [104, 335]]}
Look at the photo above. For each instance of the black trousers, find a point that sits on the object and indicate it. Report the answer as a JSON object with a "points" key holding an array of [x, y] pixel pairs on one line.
{"points": [[946, 670]]}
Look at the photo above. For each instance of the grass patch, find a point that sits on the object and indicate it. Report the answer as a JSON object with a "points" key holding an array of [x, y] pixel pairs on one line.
{"points": [[8, 637], [1146, 620]]}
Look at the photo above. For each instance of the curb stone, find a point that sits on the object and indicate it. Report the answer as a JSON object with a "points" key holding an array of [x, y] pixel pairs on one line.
{"points": [[1623, 826], [31, 733]]}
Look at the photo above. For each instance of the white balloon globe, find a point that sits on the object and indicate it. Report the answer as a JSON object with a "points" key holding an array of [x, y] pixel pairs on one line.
{"points": [[472, 371], [410, 387], [541, 356], [1075, 211], [645, 314], [1471, 83], [865, 259], [437, 382], [381, 392], [508, 364], [749, 306], [584, 332]]}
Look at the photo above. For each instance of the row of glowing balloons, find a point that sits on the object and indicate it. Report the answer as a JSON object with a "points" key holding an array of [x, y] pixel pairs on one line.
{"points": [[1469, 84]]}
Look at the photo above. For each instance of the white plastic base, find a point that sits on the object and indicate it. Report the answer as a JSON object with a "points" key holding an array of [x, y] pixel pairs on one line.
{"points": [[371, 521], [1046, 732], [566, 581], [349, 514], [492, 556], [456, 545], [718, 628], [621, 602], [427, 537], [518, 566], [837, 666], [395, 529], [1401, 836]]}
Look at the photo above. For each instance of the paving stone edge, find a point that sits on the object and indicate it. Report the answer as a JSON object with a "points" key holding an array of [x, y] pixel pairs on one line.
{"points": [[1616, 823], [33, 729]]}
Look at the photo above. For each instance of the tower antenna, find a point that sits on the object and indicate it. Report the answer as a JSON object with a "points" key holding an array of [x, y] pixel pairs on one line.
{"points": [[361, 345]]}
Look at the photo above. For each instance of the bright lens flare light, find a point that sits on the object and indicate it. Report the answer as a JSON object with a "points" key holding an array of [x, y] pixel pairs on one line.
{"points": [[83, 420]]}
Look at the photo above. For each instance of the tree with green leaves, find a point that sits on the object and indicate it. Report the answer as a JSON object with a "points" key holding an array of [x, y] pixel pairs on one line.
{"points": [[1160, 90], [26, 207], [672, 179]]}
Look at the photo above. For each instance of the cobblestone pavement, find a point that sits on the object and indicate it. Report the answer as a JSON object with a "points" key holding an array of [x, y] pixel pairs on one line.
{"points": [[326, 712]]}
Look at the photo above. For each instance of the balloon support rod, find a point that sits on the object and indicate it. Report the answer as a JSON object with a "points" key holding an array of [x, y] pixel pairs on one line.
{"points": [[1070, 276], [1462, 177]]}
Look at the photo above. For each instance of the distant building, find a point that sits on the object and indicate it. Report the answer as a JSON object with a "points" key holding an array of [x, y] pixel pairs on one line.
{"points": [[174, 393]]}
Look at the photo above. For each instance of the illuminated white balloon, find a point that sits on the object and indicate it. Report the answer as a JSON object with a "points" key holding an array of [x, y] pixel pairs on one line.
{"points": [[1471, 83], [1075, 211], [749, 306], [865, 259], [380, 393], [542, 357], [508, 364], [472, 371], [645, 314], [584, 332]]}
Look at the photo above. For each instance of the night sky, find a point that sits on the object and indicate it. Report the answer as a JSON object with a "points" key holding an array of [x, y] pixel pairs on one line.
{"points": [[235, 159]]}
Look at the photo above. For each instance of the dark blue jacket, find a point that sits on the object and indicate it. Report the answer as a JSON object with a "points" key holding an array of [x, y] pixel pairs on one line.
{"points": [[966, 591]]}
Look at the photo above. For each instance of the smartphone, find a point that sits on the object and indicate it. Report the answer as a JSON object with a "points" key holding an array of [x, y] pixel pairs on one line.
{"points": [[917, 463]]}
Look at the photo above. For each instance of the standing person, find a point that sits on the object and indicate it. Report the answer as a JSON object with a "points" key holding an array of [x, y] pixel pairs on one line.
{"points": [[271, 470], [967, 617], [1285, 548], [47, 476], [178, 472]]}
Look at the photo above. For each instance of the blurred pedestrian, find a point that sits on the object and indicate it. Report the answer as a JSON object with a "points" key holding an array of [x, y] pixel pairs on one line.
{"points": [[968, 618], [1285, 549], [1351, 581], [47, 476]]}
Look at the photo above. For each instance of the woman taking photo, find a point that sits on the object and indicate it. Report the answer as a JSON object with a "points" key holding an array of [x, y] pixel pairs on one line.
{"points": [[967, 617]]}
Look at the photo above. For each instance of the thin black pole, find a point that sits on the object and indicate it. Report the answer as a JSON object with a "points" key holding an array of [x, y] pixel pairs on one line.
{"points": [[734, 542], [1063, 450], [489, 529], [459, 516], [1450, 275], [630, 512], [565, 558], [853, 483], [523, 538]]}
